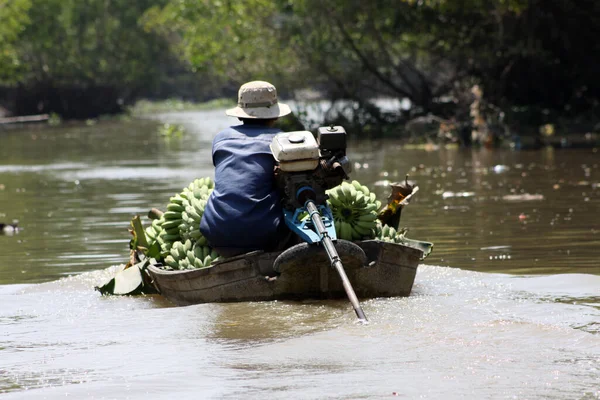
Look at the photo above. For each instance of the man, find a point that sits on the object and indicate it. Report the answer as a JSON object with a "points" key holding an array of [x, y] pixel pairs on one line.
{"points": [[244, 211]]}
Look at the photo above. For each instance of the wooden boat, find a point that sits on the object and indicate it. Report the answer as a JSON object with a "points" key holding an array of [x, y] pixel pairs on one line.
{"points": [[382, 269]]}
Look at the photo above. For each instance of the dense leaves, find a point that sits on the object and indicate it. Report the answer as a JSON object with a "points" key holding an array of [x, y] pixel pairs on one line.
{"points": [[531, 55], [531, 59], [70, 52], [13, 20]]}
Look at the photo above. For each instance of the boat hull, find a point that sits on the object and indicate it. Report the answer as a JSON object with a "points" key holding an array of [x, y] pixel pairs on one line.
{"points": [[390, 271]]}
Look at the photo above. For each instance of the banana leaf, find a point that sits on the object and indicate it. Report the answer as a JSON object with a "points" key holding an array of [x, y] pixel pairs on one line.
{"points": [[425, 247], [131, 280]]}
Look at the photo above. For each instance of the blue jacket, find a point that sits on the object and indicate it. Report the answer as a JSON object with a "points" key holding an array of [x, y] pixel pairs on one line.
{"points": [[244, 211]]}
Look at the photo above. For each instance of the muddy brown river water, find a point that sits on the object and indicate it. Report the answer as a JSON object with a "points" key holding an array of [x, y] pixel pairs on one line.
{"points": [[506, 307]]}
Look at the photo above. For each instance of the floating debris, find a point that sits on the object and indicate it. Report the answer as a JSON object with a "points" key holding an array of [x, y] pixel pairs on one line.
{"points": [[9, 229], [447, 195], [522, 217], [170, 131], [495, 248], [523, 197]]}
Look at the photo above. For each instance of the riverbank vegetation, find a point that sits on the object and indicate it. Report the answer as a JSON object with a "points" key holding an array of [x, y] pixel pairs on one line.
{"points": [[460, 71]]}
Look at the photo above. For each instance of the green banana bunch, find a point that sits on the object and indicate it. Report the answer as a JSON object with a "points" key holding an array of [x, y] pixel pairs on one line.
{"points": [[185, 255], [194, 199], [389, 234], [182, 219], [153, 231], [354, 210]]}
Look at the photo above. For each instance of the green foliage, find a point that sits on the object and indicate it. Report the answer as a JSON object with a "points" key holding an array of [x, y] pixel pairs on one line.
{"points": [[14, 19], [54, 119], [523, 53], [96, 42], [232, 40], [171, 131], [76, 58], [423, 51]]}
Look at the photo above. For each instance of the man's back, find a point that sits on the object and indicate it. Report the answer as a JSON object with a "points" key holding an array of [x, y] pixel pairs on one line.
{"points": [[244, 211]]}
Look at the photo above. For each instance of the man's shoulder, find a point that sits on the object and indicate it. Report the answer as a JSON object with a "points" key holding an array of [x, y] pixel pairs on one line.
{"points": [[245, 132], [225, 133]]}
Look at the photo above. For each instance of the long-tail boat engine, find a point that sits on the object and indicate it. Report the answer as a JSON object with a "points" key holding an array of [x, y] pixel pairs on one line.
{"points": [[305, 168]]}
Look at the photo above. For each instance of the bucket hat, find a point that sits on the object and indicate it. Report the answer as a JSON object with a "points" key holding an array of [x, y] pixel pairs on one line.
{"points": [[258, 100]]}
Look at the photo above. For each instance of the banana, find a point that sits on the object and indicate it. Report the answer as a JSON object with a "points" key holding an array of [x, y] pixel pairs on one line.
{"points": [[385, 231], [392, 232], [366, 224], [172, 231], [372, 197], [371, 217], [191, 212], [345, 231], [362, 230], [360, 201], [334, 200], [175, 207], [150, 233], [357, 185], [202, 241], [177, 199], [207, 260], [190, 257], [198, 253], [343, 196], [165, 237], [370, 207], [195, 235], [203, 192], [199, 205], [171, 262], [352, 190], [172, 223], [356, 235], [156, 227], [180, 250], [378, 228], [347, 191], [172, 215]]}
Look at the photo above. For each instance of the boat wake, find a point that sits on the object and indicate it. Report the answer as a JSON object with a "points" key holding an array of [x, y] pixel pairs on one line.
{"points": [[475, 334]]}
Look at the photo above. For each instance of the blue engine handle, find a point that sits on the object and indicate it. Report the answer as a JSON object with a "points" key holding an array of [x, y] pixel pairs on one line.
{"points": [[305, 228]]}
